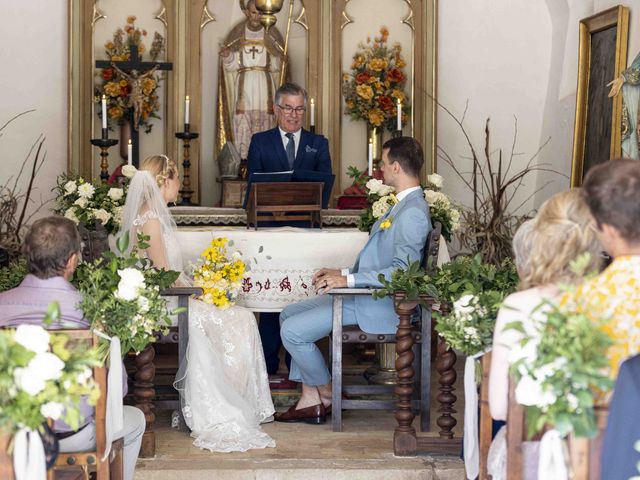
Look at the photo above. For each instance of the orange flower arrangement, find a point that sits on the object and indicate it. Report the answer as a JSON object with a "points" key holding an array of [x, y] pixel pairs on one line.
{"points": [[376, 82], [116, 88]]}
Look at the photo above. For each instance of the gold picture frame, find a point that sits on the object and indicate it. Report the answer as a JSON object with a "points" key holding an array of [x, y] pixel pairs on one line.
{"points": [[597, 66]]}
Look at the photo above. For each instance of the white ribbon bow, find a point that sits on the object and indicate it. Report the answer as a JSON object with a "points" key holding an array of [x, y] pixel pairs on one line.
{"points": [[551, 463], [28, 455], [470, 437], [115, 413]]}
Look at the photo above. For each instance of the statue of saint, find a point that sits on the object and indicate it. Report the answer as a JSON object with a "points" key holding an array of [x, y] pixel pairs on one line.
{"points": [[248, 76], [629, 83]]}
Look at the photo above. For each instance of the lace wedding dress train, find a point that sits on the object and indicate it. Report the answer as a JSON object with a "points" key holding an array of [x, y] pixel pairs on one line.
{"points": [[222, 381]]}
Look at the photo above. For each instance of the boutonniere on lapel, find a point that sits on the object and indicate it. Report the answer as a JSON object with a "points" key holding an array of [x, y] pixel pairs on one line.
{"points": [[386, 223], [309, 149]]}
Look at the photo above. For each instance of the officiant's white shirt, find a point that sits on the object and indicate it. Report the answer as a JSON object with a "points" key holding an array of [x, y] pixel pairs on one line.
{"points": [[351, 281], [296, 140]]}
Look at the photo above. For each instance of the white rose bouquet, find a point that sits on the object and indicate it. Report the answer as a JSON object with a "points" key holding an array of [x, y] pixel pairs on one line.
{"points": [[86, 202], [560, 370], [42, 375], [381, 197], [121, 295]]}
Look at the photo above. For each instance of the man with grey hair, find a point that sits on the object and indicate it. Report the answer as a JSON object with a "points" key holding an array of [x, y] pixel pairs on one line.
{"points": [[52, 250], [286, 147]]}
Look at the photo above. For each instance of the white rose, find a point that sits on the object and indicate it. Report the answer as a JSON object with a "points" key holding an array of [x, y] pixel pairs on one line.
{"points": [[455, 215], [52, 410], [46, 365], [435, 180], [432, 197], [71, 215], [115, 194], [70, 187], [117, 214], [82, 202], [33, 337], [102, 215], [465, 304], [374, 185], [131, 281], [129, 171], [32, 384], [529, 391], [143, 304], [84, 376], [86, 190]]}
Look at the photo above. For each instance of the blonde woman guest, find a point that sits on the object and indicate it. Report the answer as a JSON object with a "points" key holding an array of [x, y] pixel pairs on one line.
{"points": [[561, 231], [222, 381]]}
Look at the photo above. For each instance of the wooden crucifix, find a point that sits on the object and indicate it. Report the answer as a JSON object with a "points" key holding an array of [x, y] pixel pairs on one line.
{"points": [[135, 71]]}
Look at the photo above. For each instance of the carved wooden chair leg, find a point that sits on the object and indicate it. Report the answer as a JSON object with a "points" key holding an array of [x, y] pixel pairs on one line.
{"points": [[425, 370], [336, 366], [143, 393], [445, 365]]}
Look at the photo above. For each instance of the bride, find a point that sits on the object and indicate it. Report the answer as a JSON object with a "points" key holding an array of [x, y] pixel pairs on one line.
{"points": [[222, 380]]}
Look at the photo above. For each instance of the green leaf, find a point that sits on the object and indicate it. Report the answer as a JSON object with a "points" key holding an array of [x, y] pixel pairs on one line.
{"points": [[122, 243]]}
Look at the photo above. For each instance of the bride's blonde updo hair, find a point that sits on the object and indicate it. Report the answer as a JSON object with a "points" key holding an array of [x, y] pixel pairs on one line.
{"points": [[160, 167], [563, 231]]}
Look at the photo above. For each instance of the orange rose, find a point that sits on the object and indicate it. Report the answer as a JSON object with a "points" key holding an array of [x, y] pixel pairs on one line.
{"points": [[385, 103], [363, 77], [395, 75], [107, 74]]}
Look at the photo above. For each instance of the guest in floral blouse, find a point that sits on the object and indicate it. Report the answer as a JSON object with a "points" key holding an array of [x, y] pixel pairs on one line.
{"points": [[612, 192]]}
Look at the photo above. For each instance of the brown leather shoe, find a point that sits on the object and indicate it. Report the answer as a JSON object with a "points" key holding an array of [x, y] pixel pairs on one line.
{"points": [[315, 415]]}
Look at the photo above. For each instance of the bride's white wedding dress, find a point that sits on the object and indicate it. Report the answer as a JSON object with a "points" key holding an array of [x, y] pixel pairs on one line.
{"points": [[223, 382]]}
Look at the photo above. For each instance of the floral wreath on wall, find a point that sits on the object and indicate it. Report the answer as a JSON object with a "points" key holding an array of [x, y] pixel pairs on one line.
{"points": [[376, 82], [117, 88]]}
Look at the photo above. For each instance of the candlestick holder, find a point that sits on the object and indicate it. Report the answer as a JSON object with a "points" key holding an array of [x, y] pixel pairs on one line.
{"points": [[396, 134], [105, 144], [186, 192]]}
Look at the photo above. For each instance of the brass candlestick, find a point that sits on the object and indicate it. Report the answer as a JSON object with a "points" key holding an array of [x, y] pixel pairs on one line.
{"points": [[186, 192]]}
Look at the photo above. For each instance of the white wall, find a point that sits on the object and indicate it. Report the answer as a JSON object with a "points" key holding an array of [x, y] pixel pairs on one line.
{"points": [[34, 76], [514, 58]]}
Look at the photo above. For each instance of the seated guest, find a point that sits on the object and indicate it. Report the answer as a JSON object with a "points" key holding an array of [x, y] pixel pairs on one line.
{"points": [[620, 459], [612, 191], [52, 250], [286, 147], [396, 238], [560, 233]]}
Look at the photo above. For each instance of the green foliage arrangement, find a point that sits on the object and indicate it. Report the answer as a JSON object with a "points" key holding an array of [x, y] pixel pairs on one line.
{"points": [[561, 370], [12, 275], [121, 295], [413, 281], [475, 290], [42, 375]]}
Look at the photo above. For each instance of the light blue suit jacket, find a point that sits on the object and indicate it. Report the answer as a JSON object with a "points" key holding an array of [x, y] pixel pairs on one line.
{"points": [[386, 251]]}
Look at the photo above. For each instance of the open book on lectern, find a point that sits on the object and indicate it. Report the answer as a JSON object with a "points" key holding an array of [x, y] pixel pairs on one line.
{"points": [[294, 176]]}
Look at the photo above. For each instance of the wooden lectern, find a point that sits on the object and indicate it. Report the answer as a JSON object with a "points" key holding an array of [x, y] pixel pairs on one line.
{"points": [[284, 202]]}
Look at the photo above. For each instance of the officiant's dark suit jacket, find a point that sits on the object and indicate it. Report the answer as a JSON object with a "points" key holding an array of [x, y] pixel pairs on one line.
{"points": [[267, 154], [619, 458]]}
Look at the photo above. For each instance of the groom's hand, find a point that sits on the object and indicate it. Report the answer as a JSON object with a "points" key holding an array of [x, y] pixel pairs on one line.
{"points": [[318, 277], [331, 281]]}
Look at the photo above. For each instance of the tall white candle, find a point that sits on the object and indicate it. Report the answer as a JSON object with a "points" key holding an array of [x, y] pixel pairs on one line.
{"points": [[104, 112], [399, 127], [130, 153], [186, 109], [370, 157], [312, 113]]}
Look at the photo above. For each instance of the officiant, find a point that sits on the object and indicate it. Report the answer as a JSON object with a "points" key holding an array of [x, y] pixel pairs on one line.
{"points": [[286, 147]]}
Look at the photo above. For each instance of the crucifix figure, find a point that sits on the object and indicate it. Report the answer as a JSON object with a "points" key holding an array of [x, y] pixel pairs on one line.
{"points": [[135, 71]]}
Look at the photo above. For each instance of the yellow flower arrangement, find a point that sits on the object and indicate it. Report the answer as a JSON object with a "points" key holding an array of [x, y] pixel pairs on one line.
{"points": [[117, 89], [219, 274], [376, 82]]}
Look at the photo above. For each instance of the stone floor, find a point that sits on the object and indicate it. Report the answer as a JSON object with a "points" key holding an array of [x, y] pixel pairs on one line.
{"points": [[364, 450]]}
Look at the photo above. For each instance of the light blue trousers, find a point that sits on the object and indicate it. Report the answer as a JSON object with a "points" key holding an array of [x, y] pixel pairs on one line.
{"points": [[304, 323]]}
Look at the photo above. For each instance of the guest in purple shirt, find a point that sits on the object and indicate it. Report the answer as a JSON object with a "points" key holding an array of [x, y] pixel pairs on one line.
{"points": [[52, 250]]}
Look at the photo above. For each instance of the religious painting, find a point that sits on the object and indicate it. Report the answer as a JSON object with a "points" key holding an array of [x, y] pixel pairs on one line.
{"points": [[602, 58]]}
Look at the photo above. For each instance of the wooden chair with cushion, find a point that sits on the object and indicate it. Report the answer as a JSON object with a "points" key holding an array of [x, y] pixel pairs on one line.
{"points": [[421, 334], [111, 468], [584, 453]]}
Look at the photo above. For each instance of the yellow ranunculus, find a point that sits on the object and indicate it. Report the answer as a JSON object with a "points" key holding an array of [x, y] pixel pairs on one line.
{"points": [[399, 94], [358, 61], [115, 112], [109, 45], [378, 64], [365, 91], [376, 117], [123, 83], [386, 223], [400, 63], [112, 89]]}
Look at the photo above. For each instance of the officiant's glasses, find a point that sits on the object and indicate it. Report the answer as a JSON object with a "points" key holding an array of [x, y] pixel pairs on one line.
{"points": [[289, 110]]}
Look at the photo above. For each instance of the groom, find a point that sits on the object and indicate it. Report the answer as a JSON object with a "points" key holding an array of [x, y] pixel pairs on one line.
{"points": [[396, 238]]}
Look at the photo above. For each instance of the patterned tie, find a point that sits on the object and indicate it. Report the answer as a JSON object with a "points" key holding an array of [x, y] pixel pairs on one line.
{"points": [[291, 149]]}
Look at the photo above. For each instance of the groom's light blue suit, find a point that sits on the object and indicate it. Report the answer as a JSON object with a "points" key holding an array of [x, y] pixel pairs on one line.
{"points": [[302, 324]]}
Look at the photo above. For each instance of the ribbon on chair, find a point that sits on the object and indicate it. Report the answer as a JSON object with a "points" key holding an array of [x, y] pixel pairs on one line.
{"points": [[28, 455], [470, 437], [552, 464], [115, 413]]}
